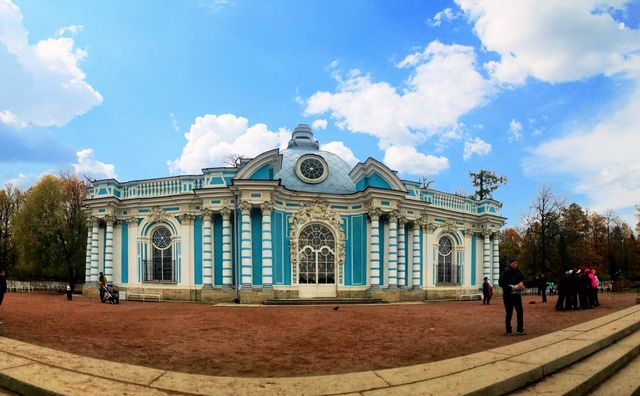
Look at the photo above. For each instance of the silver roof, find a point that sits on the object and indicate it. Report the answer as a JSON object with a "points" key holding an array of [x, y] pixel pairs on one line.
{"points": [[337, 182]]}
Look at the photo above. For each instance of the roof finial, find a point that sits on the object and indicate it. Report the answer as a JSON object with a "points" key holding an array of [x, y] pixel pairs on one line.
{"points": [[302, 136]]}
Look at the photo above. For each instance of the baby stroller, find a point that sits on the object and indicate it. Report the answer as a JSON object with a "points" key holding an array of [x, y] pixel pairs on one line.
{"points": [[111, 294]]}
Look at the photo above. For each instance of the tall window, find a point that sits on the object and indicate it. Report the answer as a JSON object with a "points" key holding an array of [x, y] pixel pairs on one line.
{"points": [[317, 255], [446, 271], [161, 267]]}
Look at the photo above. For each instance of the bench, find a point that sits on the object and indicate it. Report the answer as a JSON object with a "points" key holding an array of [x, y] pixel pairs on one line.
{"points": [[469, 294], [144, 294]]}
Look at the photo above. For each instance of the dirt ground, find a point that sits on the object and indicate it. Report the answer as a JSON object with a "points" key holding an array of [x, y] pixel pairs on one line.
{"points": [[268, 341]]}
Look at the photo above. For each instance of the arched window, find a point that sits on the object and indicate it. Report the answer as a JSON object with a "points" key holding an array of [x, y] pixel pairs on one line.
{"points": [[316, 256], [447, 273], [161, 267]]}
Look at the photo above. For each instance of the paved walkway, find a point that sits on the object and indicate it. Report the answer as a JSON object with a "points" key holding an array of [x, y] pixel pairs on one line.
{"points": [[31, 369]]}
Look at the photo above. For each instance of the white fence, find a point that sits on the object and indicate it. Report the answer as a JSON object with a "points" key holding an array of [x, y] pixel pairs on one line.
{"points": [[31, 286]]}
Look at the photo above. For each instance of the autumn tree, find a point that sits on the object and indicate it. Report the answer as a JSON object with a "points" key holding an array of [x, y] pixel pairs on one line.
{"points": [[510, 245], [10, 200], [485, 183], [51, 229]]}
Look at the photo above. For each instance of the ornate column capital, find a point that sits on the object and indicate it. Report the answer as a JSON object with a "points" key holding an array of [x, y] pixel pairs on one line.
{"points": [[225, 213], [92, 221], [375, 213], [245, 208], [393, 216], [487, 233], [426, 226], [403, 221], [186, 218], [132, 220], [266, 207], [110, 220], [206, 212]]}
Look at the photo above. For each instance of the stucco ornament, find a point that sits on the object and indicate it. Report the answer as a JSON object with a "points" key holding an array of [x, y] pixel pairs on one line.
{"points": [[316, 211], [450, 226], [157, 214]]}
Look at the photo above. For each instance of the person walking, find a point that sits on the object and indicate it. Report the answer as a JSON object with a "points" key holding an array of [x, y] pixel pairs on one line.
{"points": [[487, 291], [596, 285], [542, 287], [511, 282], [563, 292], [102, 283]]}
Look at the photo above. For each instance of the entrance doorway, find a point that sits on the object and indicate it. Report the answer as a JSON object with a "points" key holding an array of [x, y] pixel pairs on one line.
{"points": [[316, 262]]}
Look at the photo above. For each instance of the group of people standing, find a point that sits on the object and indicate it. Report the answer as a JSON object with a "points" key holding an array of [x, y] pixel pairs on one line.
{"points": [[578, 289]]}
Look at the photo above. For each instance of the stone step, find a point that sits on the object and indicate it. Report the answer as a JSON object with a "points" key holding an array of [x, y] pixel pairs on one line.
{"points": [[323, 301], [625, 382], [582, 376]]}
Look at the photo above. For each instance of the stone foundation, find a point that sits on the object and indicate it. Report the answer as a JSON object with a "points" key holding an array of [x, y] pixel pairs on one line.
{"points": [[218, 295]]}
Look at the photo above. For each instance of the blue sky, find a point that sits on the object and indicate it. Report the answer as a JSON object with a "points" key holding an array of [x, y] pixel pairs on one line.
{"points": [[541, 92]]}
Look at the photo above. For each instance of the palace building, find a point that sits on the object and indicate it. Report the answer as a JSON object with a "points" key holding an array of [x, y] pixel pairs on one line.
{"points": [[298, 223]]}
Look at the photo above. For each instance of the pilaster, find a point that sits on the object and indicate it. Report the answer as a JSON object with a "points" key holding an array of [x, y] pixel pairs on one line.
{"points": [[207, 245], [393, 249], [227, 275], [374, 215], [267, 248], [402, 253], [245, 244]]}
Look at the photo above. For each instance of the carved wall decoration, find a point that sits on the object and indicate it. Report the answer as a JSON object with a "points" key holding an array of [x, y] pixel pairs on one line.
{"points": [[157, 215]]}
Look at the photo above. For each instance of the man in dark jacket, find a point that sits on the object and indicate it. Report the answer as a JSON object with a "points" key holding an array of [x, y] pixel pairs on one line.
{"points": [[511, 282], [3, 285]]}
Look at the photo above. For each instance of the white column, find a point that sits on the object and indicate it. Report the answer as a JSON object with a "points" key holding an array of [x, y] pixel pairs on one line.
{"points": [[374, 214], [468, 234], [108, 249], [402, 254], [132, 223], [207, 244], [496, 258], [393, 250], [486, 255], [417, 257], [267, 252], [227, 276], [87, 266], [245, 245], [94, 250]]}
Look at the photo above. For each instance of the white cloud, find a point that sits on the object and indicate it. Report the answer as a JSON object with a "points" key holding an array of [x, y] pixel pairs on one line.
{"points": [[211, 138], [214, 6], [407, 160], [515, 130], [42, 83], [446, 15], [174, 122], [342, 151], [92, 168], [444, 84], [552, 41], [72, 29], [319, 124], [475, 146], [9, 119], [23, 181], [603, 159]]}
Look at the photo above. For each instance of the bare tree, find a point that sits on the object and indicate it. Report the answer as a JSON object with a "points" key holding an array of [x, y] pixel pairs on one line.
{"points": [[425, 182], [234, 160], [544, 219]]}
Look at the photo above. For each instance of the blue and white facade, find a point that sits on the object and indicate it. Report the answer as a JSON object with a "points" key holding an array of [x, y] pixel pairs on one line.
{"points": [[297, 223]]}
